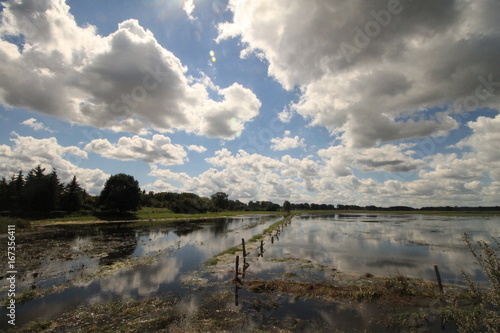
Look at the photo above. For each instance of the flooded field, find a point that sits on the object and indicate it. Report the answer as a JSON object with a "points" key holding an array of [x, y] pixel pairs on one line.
{"points": [[328, 258], [385, 244], [160, 255]]}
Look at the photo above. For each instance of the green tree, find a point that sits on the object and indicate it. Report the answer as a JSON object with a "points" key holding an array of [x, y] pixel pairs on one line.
{"points": [[287, 206], [72, 197], [121, 193], [41, 193], [220, 200], [4, 195]]}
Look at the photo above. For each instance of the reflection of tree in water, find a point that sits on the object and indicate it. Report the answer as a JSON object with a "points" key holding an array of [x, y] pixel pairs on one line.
{"points": [[218, 226], [116, 241], [185, 228]]}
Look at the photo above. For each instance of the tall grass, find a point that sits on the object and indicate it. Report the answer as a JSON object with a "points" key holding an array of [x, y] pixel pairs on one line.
{"points": [[482, 311]]}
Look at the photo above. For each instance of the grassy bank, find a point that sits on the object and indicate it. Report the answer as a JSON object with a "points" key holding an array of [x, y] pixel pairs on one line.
{"points": [[145, 214]]}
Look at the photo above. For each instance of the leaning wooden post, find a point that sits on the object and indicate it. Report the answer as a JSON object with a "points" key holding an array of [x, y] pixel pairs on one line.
{"points": [[272, 240], [237, 268], [243, 245], [438, 276]]}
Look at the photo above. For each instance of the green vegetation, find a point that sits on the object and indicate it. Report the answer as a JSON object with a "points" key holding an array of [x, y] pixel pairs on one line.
{"points": [[479, 310], [21, 224], [277, 224], [233, 250], [121, 193]]}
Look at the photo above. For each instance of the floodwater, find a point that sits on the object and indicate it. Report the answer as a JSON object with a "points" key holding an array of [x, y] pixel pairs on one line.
{"points": [[383, 244], [178, 248]]}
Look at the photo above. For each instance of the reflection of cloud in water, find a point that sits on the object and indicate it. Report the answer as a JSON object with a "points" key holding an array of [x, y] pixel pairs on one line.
{"points": [[410, 245], [144, 281]]}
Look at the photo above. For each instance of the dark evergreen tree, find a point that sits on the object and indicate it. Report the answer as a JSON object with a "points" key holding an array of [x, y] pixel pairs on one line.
{"points": [[121, 193], [4, 195], [72, 197], [41, 193], [54, 190]]}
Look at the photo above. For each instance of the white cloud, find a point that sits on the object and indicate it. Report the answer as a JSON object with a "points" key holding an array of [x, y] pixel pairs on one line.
{"points": [[125, 81], [36, 125], [390, 158], [286, 143], [286, 115], [158, 150], [424, 55], [338, 178], [189, 8], [198, 149], [484, 142], [27, 152], [452, 167]]}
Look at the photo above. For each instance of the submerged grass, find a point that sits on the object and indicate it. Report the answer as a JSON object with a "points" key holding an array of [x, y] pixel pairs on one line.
{"points": [[233, 250]]}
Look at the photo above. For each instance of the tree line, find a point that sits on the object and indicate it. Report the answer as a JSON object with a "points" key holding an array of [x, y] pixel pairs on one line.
{"points": [[42, 192], [39, 192]]}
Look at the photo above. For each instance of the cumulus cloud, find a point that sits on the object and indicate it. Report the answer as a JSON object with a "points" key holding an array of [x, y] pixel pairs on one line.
{"points": [[287, 142], [36, 125], [125, 81], [196, 148], [484, 142], [158, 150], [390, 158], [339, 176], [370, 71], [27, 152]]}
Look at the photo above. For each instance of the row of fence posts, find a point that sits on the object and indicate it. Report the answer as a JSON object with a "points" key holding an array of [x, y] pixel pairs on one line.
{"points": [[237, 273], [261, 254]]}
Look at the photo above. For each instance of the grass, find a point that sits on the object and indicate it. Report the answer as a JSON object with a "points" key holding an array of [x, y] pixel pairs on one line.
{"points": [[233, 250], [21, 224], [273, 227], [147, 213], [480, 309]]}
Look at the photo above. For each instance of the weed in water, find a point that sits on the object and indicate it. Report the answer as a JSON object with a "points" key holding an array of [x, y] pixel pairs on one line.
{"points": [[400, 285]]}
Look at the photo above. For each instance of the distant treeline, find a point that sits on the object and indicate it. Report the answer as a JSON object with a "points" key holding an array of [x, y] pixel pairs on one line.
{"points": [[39, 193]]}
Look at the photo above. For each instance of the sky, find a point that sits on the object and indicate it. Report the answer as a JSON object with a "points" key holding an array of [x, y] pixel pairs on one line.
{"points": [[381, 102]]}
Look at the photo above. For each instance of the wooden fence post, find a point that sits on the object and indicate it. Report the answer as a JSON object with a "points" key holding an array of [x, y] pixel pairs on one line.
{"points": [[438, 276], [237, 268], [243, 245]]}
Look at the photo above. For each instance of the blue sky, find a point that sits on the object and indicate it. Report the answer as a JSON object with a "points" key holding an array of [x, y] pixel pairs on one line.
{"points": [[382, 102]]}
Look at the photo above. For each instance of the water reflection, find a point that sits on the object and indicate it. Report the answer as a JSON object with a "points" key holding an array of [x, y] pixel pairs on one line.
{"points": [[178, 249], [383, 244]]}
